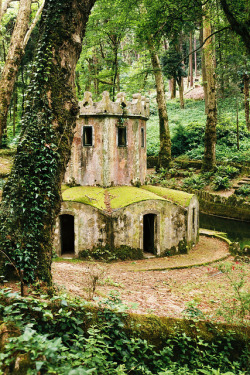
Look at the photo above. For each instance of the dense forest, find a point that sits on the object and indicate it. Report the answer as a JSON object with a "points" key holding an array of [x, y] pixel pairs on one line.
{"points": [[191, 59]]}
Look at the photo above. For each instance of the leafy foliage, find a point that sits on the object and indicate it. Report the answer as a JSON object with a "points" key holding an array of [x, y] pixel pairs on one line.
{"points": [[65, 338], [243, 190], [172, 66]]}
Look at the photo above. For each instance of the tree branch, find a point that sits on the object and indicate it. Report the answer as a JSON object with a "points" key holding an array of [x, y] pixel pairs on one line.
{"points": [[33, 24], [241, 29], [210, 36]]}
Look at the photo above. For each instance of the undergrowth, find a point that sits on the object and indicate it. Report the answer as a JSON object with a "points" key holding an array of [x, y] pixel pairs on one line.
{"points": [[64, 337]]}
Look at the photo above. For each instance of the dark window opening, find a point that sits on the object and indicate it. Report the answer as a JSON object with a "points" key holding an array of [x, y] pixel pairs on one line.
{"points": [[67, 234], [87, 136], [122, 136], [149, 233], [142, 138], [193, 218]]}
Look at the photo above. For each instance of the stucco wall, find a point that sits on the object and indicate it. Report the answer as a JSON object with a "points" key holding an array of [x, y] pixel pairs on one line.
{"points": [[104, 163], [125, 226]]}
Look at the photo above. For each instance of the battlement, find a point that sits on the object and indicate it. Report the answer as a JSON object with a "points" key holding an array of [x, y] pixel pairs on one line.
{"points": [[138, 107]]}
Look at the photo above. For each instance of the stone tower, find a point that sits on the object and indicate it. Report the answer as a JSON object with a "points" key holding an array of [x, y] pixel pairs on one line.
{"points": [[109, 147]]}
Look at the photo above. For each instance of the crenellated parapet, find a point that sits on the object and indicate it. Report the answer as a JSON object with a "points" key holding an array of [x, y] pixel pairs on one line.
{"points": [[138, 107]]}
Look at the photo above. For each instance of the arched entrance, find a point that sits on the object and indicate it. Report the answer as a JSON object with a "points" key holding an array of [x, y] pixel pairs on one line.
{"points": [[149, 233], [67, 234]]}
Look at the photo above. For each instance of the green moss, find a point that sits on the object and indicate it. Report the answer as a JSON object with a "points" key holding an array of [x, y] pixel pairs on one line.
{"points": [[179, 197], [111, 198], [122, 196], [91, 195], [64, 187]]}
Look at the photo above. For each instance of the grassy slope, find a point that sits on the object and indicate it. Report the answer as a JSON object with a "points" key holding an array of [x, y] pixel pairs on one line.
{"points": [[194, 113]]}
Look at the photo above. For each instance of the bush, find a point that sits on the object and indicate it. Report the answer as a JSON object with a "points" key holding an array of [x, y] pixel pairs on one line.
{"points": [[227, 171], [244, 190], [194, 182], [187, 138], [221, 183]]}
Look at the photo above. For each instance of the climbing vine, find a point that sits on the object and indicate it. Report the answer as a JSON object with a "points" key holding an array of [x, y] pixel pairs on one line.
{"points": [[31, 197]]}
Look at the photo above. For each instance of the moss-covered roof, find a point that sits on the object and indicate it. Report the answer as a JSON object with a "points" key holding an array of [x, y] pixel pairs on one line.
{"points": [[109, 199], [121, 196], [176, 196], [91, 195]]}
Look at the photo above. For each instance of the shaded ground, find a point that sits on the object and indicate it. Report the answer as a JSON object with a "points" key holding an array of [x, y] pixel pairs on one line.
{"points": [[163, 292]]}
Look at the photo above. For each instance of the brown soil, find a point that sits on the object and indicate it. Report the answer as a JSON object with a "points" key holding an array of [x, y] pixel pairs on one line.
{"points": [[196, 93], [155, 285]]}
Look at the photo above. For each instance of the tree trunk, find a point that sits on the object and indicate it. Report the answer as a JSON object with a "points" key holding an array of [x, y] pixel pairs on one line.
{"points": [[0, 10], [173, 88], [195, 59], [203, 69], [237, 124], [246, 97], [181, 92], [165, 142], [191, 83], [13, 60], [32, 195], [210, 132]]}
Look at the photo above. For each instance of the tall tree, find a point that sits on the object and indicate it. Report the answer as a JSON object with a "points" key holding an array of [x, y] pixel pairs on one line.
{"points": [[165, 142], [19, 39], [32, 195], [173, 68], [237, 14], [210, 131]]}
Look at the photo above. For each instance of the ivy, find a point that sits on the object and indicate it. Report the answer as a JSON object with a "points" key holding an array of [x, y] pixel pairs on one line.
{"points": [[31, 197]]}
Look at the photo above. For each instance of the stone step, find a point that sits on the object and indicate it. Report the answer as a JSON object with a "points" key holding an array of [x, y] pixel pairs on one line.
{"points": [[243, 182], [246, 179]]}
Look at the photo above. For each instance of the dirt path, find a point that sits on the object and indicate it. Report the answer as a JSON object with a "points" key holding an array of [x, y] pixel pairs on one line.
{"points": [[163, 292]]}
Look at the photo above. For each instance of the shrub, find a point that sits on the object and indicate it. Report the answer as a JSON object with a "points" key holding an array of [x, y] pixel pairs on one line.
{"points": [[194, 182], [221, 183], [227, 171], [244, 190], [187, 138]]}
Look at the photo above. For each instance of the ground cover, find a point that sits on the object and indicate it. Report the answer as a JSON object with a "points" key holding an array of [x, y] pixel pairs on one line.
{"points": [[187, 130]]}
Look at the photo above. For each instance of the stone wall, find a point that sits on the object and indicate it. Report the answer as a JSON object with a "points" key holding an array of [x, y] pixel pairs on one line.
{"points": [[174, 226], [231, 207]]}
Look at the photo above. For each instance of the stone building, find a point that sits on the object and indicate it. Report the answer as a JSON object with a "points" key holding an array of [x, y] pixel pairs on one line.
{"points": [[108, 161]]}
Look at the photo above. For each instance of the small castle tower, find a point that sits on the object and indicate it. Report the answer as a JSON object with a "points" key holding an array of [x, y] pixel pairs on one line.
{"points": [[109, 147], [108, 156]]}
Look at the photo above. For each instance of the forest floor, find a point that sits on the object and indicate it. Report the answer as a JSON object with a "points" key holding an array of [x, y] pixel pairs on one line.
{"points": [[157, 286]]}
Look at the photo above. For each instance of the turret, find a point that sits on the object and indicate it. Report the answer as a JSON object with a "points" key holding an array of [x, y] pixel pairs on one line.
{"points": [[109, 146]]}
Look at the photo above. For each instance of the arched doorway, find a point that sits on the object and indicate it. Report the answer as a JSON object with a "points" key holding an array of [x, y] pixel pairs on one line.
{"points": [[67, 234], [149, 233]]}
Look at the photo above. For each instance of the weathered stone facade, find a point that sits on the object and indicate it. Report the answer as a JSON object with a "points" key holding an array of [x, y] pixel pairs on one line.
{"points": [[173, 225], [108, 157], [109, 146]]}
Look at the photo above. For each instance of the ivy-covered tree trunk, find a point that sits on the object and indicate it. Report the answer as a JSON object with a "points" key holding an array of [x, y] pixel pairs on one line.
{"points": [[165, 142], [32, 195], [15, 54], [209, 159]]}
